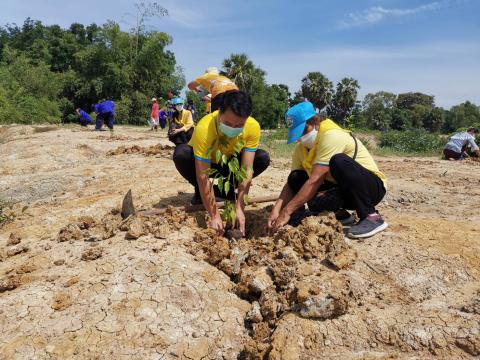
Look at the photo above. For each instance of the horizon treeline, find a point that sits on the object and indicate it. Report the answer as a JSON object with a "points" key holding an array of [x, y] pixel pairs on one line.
{"points": [[47, 71]]}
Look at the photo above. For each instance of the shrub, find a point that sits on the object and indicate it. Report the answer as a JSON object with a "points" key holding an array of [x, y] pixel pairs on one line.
{"points": [[413, 141]]}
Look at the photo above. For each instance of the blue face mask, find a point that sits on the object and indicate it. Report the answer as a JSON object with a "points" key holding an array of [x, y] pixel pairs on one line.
{"points": [[229, 131]]}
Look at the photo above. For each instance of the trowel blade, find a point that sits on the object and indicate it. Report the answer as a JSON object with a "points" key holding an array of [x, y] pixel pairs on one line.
{"points": [[127, 205]]}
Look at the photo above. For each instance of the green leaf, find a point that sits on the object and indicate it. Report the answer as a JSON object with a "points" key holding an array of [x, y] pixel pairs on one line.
{"points": [[220, 184], [227, 187], [218, 156], [224, 159]]}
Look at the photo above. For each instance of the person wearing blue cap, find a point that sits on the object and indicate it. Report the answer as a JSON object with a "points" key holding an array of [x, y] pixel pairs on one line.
{"points": [[181, 127], [105, 114], [84, 118], [331, 171]]}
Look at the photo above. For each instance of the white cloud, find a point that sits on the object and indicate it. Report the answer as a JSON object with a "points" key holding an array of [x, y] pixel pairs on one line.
{"points": [[377, 13]]}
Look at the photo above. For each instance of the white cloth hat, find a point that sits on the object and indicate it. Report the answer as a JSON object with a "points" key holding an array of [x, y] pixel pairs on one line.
{"points": [[212, 69], [154, 99]]}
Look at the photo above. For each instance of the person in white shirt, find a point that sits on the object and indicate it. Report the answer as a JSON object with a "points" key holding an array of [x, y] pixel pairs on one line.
{"points": [[458, 143]]}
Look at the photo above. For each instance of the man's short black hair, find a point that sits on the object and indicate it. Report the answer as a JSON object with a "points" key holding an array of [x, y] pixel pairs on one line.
{"points": [[472, 129], [238, 101]]}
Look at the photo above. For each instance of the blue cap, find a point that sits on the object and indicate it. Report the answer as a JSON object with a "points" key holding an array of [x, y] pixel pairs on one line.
{"points": [[177, 100], [296, 118]]}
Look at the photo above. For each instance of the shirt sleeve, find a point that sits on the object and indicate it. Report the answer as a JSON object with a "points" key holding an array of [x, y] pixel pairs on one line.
{"points": [[202, 142], [331, 143], [252, 137], [472, 143], [205, 81]]}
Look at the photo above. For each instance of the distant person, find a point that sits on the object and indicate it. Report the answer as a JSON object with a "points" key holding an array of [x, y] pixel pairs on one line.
{"points": [[154, 118], [84, 117], [457, 145], [181, 128], [162, 117], [212, 83], [105, 114], [191, 107]]}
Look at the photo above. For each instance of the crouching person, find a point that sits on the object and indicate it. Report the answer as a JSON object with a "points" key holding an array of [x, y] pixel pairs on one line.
{"points": [[227, 129], [105, 114], [331, 171]]}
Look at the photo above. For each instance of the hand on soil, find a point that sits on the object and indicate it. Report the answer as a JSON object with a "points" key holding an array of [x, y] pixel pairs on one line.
{"points": [[282, 220], [216, 223]]}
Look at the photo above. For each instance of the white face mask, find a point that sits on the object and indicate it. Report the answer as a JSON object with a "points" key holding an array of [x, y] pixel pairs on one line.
{"points": [[179, 107], [308, 140]]}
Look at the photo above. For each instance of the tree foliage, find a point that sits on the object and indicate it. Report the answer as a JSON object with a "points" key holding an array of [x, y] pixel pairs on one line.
{"points": [[47, 71]]}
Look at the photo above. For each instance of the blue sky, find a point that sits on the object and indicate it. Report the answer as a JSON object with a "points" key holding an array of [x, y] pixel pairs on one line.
{"points": [[391, 45]]}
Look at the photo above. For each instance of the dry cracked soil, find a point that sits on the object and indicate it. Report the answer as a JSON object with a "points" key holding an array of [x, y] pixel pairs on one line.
{"points": [[78, 282]]}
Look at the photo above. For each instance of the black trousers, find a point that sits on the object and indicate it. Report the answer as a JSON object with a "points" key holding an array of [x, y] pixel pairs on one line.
{"points": [[185, 164], [357, 188]]}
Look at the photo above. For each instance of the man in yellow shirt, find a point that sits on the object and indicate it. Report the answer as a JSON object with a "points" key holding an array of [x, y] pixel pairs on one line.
{"points": [[331, 171], [181, 129], [215, 86], [228, 129]]}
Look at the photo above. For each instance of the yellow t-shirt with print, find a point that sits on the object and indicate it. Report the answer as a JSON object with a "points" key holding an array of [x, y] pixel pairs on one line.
{"points": [[207, 138], [332, 140], [216, 84], [185, 120]]}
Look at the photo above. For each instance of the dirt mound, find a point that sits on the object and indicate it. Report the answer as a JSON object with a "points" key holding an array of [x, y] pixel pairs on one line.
{"points": [[294, 271], [154, 150]]}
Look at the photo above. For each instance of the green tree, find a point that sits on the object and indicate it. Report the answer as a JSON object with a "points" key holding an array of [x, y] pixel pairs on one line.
{"points": [[410, 99], [377, 109], [461, 116], [317, 89], [344, 99], [241, 70]]}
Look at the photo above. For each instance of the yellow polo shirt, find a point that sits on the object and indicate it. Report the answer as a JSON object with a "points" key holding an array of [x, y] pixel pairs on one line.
{"points": [[186, 120], [207, 138], [332, 140], [216, 84]]}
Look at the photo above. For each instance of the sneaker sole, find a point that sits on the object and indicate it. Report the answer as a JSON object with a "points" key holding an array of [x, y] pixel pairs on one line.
{"points": [[369, 234]]}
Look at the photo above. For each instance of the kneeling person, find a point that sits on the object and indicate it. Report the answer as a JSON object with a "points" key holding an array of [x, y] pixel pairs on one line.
{"points": [[229, 128], [181, 128], [331, 171]]}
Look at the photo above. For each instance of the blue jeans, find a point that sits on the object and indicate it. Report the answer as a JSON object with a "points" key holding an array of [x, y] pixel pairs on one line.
{"points": [[107, 118]]}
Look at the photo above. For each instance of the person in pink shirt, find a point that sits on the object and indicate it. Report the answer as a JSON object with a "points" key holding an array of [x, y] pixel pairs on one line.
{"points": [[154, 119]]}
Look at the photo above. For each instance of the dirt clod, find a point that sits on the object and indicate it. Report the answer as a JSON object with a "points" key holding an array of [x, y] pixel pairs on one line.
{"points": [[92, 253], [14, 239]]}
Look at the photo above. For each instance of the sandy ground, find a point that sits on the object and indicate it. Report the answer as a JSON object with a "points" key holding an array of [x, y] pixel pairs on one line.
{"points": [[167, 289]]}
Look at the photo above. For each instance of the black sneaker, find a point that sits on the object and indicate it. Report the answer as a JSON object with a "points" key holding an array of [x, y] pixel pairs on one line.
{"points": [[367, 227], [344, 217], [196, 199]]}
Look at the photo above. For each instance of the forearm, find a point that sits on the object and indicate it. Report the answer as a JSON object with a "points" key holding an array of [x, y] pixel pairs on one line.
{"points": [[243, 189], [206, 192], [285, 196]]}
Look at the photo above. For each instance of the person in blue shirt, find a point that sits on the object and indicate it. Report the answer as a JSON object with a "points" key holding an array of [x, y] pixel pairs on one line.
{"points": [[105, 114], [84, 118], [162, 116]]}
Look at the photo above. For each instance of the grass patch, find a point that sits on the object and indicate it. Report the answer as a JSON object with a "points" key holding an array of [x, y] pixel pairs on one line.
{"points": [[275, 142], [5, 213]]}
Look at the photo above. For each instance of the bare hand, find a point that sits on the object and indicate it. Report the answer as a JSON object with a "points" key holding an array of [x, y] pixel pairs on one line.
{"points": [[282, 220], [216, 223], [240, 222], [271, 220]]}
